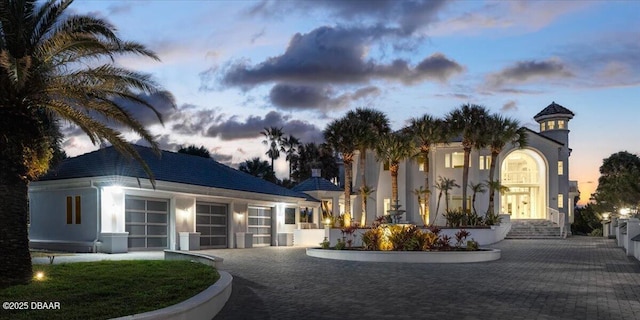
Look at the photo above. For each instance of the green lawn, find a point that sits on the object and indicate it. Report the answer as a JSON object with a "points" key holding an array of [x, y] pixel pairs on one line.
{"points": [[108, 289]]}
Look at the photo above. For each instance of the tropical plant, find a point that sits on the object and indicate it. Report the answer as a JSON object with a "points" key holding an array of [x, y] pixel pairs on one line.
{"points": [[502, 130], [272, 139], [340, 135], [393, 148], [444, 185], [290, 146], [365, 193], [461, 236], [55, 64], [495, 185], [476, 188], [325, 243], [369, 125], [423, 202], [470, 122], [340, 244], [258, 168], [195, 151], [371, 239], [426, 132], [455, 218]]}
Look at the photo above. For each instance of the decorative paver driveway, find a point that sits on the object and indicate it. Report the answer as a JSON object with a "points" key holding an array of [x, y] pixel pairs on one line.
{"points": [[576, 278]]}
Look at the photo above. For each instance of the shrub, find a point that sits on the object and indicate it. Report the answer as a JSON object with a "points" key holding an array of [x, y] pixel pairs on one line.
{"points": [[428, 240], [492, 219], [443, 243], [340, 245], [596, 233], [454, 218], [371, 239], [472, 245], [405, 238], [461, 235], [325, 243]]}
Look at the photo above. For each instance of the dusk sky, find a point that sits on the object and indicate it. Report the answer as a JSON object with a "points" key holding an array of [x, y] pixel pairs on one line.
{"points": [[236, 67]]}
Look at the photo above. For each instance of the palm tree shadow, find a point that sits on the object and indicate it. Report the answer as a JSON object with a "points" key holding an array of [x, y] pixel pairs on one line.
{"points": [[244, 302]]}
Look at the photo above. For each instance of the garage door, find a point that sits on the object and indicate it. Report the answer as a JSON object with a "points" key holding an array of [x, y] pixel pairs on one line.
{"points": [[211, 222], [260, 226], [146, 220]]}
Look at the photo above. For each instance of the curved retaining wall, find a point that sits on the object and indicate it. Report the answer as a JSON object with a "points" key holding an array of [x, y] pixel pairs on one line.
{"points": [[407, 256], [204, 305]]}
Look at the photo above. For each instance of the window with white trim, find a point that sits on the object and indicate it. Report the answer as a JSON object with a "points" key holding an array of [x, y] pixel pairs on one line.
{"points": [[560, 168], [454, 160], [551, 124], [543, 126], [484, 162], [421, 163], [560, 200], [561, 124]]}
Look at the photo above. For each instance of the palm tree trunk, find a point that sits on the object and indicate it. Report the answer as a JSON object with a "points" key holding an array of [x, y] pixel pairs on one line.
{"points": [[427, 194], [15, 261], [348, 171], [394, 183], [465, 178], [492, 191], [446, 201], [473, 203], [363, 183], [435, 219]]}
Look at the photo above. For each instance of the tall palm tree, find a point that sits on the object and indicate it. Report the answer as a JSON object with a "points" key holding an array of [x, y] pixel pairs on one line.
{"points": [[272, 139], [392, 148], [55, 64], [290, 146], [370, 125], [258, 168], [502, 130], [428, 131], [423, 201], [470, 122], [340, 136], [365, 194], [476, 188], [444, 185]]}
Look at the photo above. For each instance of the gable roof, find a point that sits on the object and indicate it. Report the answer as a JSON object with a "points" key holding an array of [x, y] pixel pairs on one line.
{"points": [[316, 184], [170, 167], [554, 109]]}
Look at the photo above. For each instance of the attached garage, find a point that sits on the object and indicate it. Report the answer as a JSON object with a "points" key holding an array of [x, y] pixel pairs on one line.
{"points": [[211, 222], [260, 225], [147, 221]]}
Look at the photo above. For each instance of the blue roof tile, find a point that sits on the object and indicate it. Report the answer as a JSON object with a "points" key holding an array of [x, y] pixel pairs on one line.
{"points": [[169, 166]]}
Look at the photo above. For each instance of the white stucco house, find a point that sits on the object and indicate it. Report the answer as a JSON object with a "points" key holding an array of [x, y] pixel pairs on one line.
{"points": [[537, 176], [101, 201]]}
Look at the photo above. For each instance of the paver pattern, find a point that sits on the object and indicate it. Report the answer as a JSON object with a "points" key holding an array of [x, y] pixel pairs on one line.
{"points": [[576, 278]]}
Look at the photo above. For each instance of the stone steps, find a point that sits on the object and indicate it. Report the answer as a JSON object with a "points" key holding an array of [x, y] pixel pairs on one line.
{"points": [[533, 229]]}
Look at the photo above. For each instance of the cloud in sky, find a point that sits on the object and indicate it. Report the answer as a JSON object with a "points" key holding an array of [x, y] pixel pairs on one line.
{"points": [[405, 17], [336, 55], [250, 128], [309, 97], [529, 70], [509, 106]]}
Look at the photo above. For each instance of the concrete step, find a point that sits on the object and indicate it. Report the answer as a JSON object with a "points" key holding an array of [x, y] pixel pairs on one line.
{"points": [[533, 229]]}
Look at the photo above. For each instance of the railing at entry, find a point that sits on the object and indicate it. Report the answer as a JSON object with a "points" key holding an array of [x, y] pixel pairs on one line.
{"points": [[557, 217]]}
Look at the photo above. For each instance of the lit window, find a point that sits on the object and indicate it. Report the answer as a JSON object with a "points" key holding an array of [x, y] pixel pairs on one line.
{"points": [[560, 200], [447, 160], [457, 160], [387, 205], [560, 124], [421, 163], [543, 126], [484, 162], [560, 168], [385, 166], [551, 124]]}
